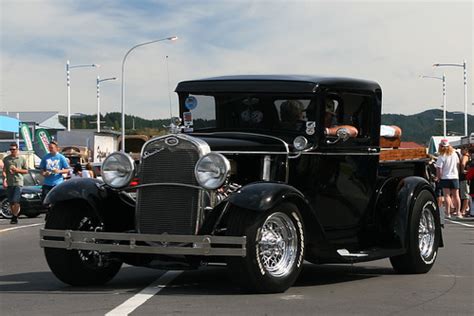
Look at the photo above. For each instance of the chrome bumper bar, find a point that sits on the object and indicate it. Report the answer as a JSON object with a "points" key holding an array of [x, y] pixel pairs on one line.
{"points": [[199, 245]]}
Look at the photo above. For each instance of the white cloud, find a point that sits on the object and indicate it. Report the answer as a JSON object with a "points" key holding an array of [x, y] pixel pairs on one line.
{"points": [[390, 42]]}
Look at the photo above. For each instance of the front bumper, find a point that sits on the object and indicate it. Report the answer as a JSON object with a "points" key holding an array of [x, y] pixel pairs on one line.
{"points": [[198, 245]]}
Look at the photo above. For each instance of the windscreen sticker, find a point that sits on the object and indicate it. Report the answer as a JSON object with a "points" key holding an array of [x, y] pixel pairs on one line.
{"points": [[191, 103], [310, 127], [188, 119]]}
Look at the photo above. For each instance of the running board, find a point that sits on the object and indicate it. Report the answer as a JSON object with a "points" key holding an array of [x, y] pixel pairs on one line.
{"points": [[346, 253], [368, 255]]}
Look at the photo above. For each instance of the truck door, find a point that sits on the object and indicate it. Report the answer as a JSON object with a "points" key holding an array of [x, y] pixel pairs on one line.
{"points": [[345, 171]]}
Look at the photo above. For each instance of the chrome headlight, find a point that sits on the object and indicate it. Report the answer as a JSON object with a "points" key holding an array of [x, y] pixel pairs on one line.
{"points": [[300, 143], [212, 170], [118, 170]]}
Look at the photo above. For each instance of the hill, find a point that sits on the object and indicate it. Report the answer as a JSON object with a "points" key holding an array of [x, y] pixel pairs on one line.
{"points": [[416, 128], [421, 126]]}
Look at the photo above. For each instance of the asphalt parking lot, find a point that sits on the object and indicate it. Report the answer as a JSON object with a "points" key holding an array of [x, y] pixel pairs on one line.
{"points": [[28, 287]]}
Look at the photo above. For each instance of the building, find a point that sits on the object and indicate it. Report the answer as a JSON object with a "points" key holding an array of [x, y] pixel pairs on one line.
{"points": [[34, 119], [100, 145]]}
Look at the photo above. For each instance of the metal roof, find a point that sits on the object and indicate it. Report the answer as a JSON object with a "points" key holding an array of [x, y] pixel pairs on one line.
{"points": [[45, 119]]}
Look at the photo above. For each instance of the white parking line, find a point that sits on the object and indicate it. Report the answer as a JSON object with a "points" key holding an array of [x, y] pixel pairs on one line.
{"points": [[460, 223], [19, 227], [144, 295]]}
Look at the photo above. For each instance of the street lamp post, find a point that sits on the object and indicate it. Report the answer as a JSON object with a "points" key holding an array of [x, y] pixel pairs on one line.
{"points": [[464, 66], [172, 38], [68, 81], [444, 98], [98, 99]]}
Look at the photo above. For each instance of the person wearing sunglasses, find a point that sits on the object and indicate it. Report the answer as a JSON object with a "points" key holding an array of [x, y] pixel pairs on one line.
{"points": [[14, 167]]}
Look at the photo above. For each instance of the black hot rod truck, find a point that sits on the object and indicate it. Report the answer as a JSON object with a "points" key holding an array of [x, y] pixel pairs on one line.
{"points": [[260, 173]]}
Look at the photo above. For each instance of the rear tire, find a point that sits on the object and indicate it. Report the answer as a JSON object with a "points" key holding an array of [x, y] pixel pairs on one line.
{"points": [[5, 209], [275, 248], [424, 237], [78, 267]]}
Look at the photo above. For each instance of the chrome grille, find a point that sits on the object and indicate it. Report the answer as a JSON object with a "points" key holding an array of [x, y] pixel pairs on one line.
{"points": [[168, 208]]}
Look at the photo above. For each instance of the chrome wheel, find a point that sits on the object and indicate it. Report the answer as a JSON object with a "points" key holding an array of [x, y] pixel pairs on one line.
{"points": [[426, 233], [5, 208], [277, 244], [91, 258]]}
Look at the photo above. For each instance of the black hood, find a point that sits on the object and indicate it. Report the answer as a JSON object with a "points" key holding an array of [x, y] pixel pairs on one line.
{"points": [[234, 141]]}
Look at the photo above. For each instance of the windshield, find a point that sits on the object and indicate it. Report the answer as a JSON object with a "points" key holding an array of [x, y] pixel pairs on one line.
{"points": [[249, 112]]}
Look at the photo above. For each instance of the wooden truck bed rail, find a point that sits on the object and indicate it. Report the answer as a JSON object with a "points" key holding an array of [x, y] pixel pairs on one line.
{"points": [[388, 154]]}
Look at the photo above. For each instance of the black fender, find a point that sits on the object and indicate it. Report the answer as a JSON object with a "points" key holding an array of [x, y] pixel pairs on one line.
{"points": [[88, 189], [400, 195], [107, 204], [262, 196]]}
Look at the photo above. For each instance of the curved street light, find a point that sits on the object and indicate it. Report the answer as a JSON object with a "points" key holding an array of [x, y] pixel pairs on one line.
{"points": [[98, 98], [68, 81], [172, 38], [464, 66], [444, 98]]}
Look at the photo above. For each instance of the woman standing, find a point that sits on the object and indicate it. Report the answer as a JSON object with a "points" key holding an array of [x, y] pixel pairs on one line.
{"points": [[447, 172]]}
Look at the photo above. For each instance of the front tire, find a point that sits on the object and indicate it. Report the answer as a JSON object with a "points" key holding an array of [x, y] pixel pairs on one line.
{"points": [[78, 267], [424, 237], [275, 248]]}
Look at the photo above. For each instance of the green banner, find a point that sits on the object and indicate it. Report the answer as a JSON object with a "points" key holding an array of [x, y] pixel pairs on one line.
{"points": [[26, 135], [43, 138]]}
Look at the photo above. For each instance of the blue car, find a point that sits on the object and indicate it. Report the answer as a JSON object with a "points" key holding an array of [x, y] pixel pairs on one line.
{"points": [[30, 202]]}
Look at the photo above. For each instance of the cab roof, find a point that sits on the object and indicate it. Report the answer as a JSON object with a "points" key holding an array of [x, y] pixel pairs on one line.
{"points": [[274, 83]]}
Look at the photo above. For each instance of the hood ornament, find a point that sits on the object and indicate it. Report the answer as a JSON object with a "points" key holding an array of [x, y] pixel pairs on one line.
{"points": [[175, 125]]}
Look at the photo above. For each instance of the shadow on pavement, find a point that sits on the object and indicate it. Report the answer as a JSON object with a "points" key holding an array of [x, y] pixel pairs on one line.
{"points": [[315, 275], [206, 281], [129, 279]]}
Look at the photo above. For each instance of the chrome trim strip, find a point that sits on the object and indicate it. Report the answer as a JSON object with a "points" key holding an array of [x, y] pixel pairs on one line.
{"points": [[251, 152], [302, 153], [285, 144], [341, 154], [267, 163], [202, 145], [251, 134], [165, 184], [201, 245]]}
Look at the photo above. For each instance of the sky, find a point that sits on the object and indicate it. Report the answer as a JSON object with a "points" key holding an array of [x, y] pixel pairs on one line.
{"points": [[390, 42]]}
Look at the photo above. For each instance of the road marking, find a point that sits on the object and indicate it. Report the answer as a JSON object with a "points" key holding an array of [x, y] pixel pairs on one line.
{"points": [[19, 227], [144, 295], [463, 224]]}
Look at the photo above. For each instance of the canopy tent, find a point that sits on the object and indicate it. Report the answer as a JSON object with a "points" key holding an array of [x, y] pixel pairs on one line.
{"points": [[9, 124], [435, 140]]}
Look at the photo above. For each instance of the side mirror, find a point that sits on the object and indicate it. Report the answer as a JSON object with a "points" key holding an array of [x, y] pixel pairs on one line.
{"points": [[342, 133]]}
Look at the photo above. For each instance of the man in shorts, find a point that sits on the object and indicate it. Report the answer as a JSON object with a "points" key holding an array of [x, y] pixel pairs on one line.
{"points": [[14, 167]]}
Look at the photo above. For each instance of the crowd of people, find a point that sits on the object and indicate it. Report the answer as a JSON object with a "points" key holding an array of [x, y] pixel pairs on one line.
{"points": [[54, 167], [454, 180]]}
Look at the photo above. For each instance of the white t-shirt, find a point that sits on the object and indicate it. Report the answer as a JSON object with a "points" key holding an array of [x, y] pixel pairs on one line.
{"points": [[448, 166], [86, 174]]}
